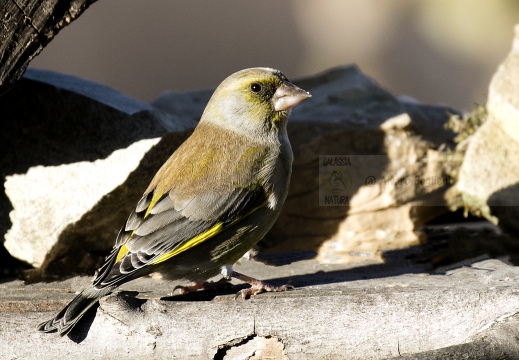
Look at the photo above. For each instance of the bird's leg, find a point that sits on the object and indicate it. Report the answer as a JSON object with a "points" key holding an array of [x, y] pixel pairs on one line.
{"points": [[184, 289], [257, 286], [208, 285]]}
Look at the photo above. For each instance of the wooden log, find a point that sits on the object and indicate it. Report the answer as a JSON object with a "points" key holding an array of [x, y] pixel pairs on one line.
{"points": [[27, 26], [335, 312]]}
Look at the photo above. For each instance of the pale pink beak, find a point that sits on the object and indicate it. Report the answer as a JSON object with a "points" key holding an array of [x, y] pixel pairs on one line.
{"points": [[288, 95]]}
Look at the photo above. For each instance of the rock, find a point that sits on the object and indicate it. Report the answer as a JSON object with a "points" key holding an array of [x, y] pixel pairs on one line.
{"points": [[393, 163], [395, 143], [70, 146], [64, 203], [72, 187], [489, 174]]}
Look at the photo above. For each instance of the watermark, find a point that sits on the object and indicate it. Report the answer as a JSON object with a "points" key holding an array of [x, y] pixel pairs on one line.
{"points": [[335, 181], [341, 176]]}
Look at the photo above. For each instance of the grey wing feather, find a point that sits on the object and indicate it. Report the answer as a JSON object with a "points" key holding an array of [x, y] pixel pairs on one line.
{"points": [[171, 223], [210, 206]]}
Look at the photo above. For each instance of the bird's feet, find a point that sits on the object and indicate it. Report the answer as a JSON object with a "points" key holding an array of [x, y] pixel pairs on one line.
{"points": [[209, 285], [257, 286]]}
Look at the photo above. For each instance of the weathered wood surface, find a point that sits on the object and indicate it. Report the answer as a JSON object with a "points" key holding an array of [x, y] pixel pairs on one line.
{"points": [[334, 313], [27, 26]]}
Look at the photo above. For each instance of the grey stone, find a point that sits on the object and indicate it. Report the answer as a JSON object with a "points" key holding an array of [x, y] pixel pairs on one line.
{"points": [[394, 143], [69, 144], [489, 174], [95, 150]]}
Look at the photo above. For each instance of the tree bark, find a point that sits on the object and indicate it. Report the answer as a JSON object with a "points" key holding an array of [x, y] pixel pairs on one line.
{"points": [[27, 26]]}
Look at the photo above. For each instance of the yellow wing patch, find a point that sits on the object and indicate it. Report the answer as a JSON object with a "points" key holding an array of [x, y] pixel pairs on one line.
{"points": [[215, 229], [123, 250], [209, 233]]}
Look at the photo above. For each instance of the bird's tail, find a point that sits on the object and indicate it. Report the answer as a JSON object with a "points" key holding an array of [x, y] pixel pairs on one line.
{"points": [[68, 317]]}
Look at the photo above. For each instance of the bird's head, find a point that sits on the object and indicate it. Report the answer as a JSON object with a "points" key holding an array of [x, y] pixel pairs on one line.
{"points": [[253, 101]]}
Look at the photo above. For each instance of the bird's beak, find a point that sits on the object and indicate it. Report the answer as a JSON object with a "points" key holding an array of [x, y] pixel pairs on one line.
{"points": [[288, 95]]}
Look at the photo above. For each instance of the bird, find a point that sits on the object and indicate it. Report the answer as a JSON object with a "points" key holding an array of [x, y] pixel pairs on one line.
{"points": [[212, 201]]}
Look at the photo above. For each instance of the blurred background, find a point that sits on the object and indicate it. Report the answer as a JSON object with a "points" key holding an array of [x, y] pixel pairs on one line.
{"points": [[437, 51]]}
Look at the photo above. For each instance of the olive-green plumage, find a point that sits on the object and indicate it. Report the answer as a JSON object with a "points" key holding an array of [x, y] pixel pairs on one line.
{"points": [[213, 199]]}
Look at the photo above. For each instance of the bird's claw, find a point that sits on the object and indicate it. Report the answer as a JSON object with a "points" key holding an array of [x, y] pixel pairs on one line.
{"points": [[209, 285], [182, 289], [259, 288]]}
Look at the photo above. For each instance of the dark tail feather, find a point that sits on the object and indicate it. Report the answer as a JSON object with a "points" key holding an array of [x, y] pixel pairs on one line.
{"points": [[73, 312]]}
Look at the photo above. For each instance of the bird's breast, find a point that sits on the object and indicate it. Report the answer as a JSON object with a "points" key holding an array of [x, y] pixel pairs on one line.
{"points": [[280, 170]]}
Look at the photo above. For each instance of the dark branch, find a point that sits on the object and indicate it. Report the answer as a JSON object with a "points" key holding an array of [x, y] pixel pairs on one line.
{"points": [[27, 26]]}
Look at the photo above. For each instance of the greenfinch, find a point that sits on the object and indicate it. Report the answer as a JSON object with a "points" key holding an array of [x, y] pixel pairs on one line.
{"points": [[212, 200]]}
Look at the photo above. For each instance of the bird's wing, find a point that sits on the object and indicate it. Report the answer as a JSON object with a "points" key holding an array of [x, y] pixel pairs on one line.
{"points": [[157, 230]]}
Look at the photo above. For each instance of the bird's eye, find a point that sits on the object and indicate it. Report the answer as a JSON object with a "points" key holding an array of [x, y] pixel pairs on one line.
{"points": [[255, 87]]}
